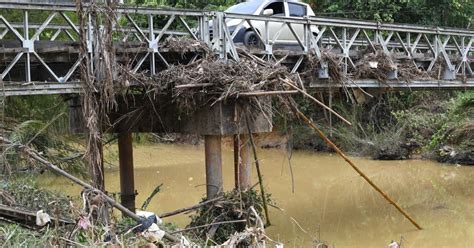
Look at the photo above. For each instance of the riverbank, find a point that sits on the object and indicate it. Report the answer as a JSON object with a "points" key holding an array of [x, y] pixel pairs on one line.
{"points": [[398, 126]]}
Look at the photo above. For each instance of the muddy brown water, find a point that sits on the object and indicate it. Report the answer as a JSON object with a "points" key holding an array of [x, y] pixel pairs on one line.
{"points": [[330, 201]]}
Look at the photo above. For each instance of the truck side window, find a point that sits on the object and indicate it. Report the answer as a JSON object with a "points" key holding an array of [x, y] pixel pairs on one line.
{"points": [[278, 8], [297, 10]]}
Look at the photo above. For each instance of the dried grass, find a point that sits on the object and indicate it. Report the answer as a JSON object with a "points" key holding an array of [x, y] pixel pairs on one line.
{"points": [[184, 45], [210, 80]]}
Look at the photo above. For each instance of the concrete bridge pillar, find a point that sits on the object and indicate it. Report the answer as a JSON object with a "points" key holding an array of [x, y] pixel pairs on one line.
{"points": [[127, 180], [242, 162], [213, 153]]}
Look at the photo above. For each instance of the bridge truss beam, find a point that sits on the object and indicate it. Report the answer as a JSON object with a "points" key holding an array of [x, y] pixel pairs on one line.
{"points": [[42, 57]]}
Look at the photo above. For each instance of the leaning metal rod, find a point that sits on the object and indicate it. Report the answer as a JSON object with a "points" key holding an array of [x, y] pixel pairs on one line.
{"points": [[34, 155], [339, 151], [257, 164]]}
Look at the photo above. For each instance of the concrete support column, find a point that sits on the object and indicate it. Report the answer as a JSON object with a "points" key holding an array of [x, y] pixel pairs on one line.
{"points": [[214, 180], [243, 171], [127, 180]]}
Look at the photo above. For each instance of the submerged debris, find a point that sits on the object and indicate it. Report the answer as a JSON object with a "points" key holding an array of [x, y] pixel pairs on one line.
{"points": [[234, 205]]}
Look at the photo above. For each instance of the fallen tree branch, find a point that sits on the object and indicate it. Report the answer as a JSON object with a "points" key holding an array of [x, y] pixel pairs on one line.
{"points": [[148, 200], [182, 210], [339, 151], [34, 155]]}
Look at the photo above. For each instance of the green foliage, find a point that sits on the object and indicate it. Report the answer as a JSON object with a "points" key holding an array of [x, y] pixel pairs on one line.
{"points": [[198, 4], [455, 13], [457, 126], [42, 123], [395, 123], [12, 235], [29, 195]]}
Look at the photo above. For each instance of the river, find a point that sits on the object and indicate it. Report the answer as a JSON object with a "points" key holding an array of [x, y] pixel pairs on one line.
{"points": [[330, 201]]}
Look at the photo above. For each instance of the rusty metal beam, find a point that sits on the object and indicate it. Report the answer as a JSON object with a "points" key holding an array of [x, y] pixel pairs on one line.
{"points": [[214, 180], [127, 180]]}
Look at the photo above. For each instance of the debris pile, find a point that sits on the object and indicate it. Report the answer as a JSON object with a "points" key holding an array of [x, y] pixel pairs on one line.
{"points": [[210, 80], [184, 45], [233, 205], [376, 65]]}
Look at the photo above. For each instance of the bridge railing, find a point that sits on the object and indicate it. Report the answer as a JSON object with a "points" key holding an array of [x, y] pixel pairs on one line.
{"points": [[348, 38], [35, 35], [140, 32]]}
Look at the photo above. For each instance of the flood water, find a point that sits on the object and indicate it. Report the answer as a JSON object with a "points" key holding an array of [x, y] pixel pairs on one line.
{"points": [[330, 201]]}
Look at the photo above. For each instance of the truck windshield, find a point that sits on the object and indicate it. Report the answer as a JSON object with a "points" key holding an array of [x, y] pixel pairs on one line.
{"points": [[245, 8]]}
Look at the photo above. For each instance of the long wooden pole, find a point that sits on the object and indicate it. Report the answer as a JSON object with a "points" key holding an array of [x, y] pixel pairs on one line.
{"points": [[260, 178], [317, 101], [339, 151], [34, 155]]}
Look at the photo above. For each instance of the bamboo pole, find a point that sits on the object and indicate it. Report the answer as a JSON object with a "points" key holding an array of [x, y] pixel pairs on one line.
{"points": [[339, 151], [182, 210], [260, 178], [268, 93], [317, 101], [34, 155]]}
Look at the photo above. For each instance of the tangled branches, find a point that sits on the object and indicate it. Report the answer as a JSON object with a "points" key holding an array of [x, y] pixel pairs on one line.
{"points": [[375, 66], [184, 45], [234, 205], [210, 80]]}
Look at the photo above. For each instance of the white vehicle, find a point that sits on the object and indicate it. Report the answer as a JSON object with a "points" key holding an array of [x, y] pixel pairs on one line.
{"points": [[273, 8]]}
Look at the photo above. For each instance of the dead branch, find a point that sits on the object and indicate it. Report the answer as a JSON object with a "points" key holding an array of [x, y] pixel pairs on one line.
{"points": [[31, 153], [182, 210]]}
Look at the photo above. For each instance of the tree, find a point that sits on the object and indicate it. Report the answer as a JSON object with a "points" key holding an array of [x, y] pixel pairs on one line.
{"points": [[455, 13]]}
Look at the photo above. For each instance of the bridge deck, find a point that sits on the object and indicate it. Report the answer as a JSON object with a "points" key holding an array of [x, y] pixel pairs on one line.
{"points": [[39, 51]]}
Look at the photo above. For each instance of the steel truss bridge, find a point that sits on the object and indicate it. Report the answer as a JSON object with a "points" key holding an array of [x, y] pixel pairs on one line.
{"points": [[39, 45]]}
